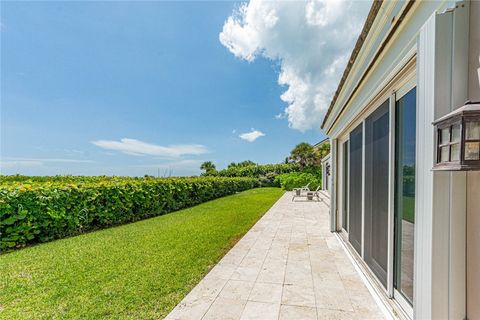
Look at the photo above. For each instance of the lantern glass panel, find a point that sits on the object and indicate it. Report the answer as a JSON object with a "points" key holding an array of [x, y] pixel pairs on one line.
{"points": [[444, 154], [472, 151], [473, 130], [455, 151], [456, 133], [445, 135]]}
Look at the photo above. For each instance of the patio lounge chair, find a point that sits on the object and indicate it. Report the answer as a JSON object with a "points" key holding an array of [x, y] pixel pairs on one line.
{"points": [[312, 194], [309, 194], [298, 191]]}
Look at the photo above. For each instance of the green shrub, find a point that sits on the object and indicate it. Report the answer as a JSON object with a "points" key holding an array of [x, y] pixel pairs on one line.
{"points": [[288, 181], [257, 171], [36, 210], [264, 173]]}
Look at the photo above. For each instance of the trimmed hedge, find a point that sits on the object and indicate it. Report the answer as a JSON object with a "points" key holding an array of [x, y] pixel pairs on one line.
{"points": [[39, 210], [257, 171], [288, 181]]}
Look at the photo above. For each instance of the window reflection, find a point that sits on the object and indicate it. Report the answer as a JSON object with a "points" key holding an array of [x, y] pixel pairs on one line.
{"points": [[405, 191]]}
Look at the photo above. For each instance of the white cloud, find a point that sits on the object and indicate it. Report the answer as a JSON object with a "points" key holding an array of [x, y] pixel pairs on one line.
{"points": [[14, 162], [20, 163], [186, 163], [311, 39], [252, 135], [139, 148]]}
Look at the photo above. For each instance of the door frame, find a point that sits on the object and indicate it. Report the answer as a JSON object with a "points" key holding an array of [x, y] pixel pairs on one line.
{"points": [[342, 196], [401, 82], [393, 292]]}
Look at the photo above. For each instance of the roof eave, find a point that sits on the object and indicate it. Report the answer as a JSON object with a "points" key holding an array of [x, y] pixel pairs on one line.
{"points": [[358, 46]]}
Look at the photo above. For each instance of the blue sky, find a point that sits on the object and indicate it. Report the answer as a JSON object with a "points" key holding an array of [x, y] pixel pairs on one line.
{"points": [[77, 78]]}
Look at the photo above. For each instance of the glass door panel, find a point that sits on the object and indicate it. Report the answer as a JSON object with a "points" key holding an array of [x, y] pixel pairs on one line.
{"points": [[355, 189], [405, 138], [376, 191], [345, 187]]}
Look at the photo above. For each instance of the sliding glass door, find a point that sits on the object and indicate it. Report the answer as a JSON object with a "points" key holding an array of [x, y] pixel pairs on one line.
{"points": [[375, 171], [376, 191], [345, 187], [355, 189], [405, 137]]}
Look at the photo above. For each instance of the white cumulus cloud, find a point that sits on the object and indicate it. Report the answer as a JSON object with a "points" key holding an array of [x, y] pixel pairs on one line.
{"points": [[252, 135], [139, 148], [10, 162], [311, 39]]}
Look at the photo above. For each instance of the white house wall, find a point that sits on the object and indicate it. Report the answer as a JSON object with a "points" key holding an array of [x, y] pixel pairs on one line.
{"points": [[473, 178], [401, 44], [446, 251], [375, 37]]}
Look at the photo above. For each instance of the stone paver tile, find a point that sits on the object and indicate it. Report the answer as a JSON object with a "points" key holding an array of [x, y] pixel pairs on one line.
{"points": [[225, 309], [191, 309], [252, 262], [245, 273], [273, 271], [323, 266], [234, 258], [260, 311], [301, 279], [363, 303], [298, 273], [298, 247], [259, 253], [278, 253], [333, 244], [316, 241], [297, 313], [221, 271], [237, 289], [322, 281], [298, 240], [209, 288], [266, 292], [262, 243], [356, 285], [333, 298], [296, 295], [288, 266], [328, 314]]}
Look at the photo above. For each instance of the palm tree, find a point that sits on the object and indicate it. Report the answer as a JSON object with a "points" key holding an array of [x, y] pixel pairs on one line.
{"points": [[208, 167], [246, 163], [303, 154], [323, 150]]}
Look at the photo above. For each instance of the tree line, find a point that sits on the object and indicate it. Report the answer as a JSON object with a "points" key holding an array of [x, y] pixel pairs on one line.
{"points": [[303, 154]]}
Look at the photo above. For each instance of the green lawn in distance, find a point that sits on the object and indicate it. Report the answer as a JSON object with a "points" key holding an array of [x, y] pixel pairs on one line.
{"points": [[135, 271], [409, 209]]}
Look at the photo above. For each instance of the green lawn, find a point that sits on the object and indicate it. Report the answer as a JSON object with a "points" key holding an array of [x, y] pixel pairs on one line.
{"points": [[409, 209], [136, 271]]}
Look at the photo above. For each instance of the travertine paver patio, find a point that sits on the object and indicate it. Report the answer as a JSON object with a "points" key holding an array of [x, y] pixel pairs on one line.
{"points": [[288, 266]]}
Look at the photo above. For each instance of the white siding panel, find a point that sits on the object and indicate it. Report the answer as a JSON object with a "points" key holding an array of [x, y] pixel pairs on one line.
{"points": [[424, 179]]}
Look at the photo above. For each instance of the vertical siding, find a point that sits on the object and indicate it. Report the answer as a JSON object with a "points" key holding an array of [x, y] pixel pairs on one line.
{"points": [[424, 179], [458, 192], [473, 178]]}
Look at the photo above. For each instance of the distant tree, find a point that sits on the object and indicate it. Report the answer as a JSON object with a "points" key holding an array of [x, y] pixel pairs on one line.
{"points": [[246, 163], [304, 155], [208, 167], [323, 150]]}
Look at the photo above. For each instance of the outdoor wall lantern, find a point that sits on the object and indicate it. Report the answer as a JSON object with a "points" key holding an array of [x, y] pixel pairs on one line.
{"points": [[458, 139]]}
